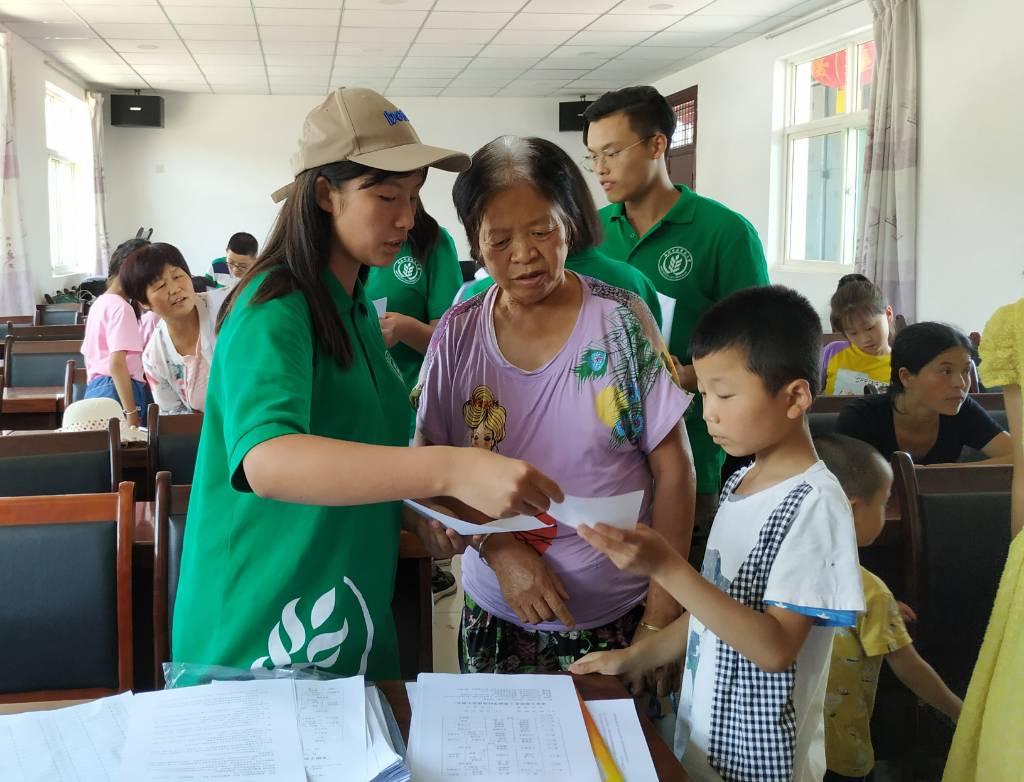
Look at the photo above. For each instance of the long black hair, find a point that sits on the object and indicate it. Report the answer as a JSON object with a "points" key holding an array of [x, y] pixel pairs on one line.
{"points": [[918, 345], [298, 251]]}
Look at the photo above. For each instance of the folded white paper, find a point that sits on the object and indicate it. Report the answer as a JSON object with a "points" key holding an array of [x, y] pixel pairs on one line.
{"points": [[381, 305]]}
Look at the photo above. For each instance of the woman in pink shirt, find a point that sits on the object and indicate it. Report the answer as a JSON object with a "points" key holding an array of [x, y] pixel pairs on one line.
{"points": [[113, 344]]}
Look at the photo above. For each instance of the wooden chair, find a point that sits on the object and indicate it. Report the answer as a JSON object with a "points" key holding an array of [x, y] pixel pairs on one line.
{"points": [[60, 462], [8, 322], [39, 363], [173, 442], [411, 606], [66, 578], [58, 314], [957, 519], [75, 379], [49, 332]]}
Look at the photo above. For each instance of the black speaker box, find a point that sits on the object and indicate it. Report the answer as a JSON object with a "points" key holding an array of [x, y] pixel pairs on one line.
{"points": [[570, 115], [136, 111]]}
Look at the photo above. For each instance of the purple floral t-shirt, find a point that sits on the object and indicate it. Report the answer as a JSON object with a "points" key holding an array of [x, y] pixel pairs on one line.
{"points": [[588, 419]]}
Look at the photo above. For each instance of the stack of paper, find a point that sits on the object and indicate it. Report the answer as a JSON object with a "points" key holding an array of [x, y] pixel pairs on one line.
{"points": [[499, 727]]}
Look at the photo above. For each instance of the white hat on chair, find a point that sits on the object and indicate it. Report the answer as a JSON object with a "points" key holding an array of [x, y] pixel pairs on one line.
{"points": [[93, 415]]}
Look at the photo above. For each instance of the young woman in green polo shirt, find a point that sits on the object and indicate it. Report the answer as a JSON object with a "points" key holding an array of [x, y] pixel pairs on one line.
{"points": [[293, 524]]}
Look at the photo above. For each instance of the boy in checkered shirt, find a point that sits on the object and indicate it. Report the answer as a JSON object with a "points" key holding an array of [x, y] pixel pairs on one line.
{"points": [[780, 571]]}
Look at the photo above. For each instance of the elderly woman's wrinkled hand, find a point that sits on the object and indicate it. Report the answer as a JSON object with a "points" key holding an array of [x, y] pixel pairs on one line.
{"points": [[641, 550], [498, 486], [527, 583], [440, 542]]}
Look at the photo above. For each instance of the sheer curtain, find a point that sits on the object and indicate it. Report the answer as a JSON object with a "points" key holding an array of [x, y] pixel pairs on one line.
{"points": [[887, 249], [16, 288], [95, 103]]}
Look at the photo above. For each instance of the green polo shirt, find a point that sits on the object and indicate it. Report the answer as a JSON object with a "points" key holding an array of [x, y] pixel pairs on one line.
{"points": [[593, 263], [423, 289], [698, 253], [267, 583]]}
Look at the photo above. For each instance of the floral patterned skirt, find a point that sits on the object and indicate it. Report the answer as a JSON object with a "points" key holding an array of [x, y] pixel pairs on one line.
{"points": [[488, 644]]}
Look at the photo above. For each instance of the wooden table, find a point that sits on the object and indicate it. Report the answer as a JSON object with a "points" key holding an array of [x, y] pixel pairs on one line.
{"points": [[592, 687], [31, 407]]}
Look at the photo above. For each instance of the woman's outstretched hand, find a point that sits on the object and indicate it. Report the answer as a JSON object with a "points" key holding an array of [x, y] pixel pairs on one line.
{"points": [[498, 486]]}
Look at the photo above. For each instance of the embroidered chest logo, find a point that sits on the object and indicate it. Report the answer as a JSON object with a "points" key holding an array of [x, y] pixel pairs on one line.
{"points": [[675, 264], [407, 269]]}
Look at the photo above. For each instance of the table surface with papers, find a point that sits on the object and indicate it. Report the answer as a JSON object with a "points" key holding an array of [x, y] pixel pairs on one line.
{"points": [[592, 687]]}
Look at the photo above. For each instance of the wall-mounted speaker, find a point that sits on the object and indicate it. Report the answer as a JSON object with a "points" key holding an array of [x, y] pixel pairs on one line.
{"points": [[136, 111], [570, 115]]}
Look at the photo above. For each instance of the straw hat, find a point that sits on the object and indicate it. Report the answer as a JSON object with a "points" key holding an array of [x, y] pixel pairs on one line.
{"points": [[93, 415]]}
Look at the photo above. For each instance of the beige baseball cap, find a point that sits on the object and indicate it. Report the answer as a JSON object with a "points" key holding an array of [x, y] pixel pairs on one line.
{"points": [[357, 124]]}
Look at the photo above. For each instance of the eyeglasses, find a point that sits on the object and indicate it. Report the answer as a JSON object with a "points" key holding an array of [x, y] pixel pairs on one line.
{"points": [[593, 162], [238, 269]]}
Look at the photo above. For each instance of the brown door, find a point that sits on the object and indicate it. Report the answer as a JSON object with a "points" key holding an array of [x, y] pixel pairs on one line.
{"points": [[682, 153]]}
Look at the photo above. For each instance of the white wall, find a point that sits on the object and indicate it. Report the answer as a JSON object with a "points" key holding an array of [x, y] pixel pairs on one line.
{"points": [[31, 73], [210, 170], [971, 169]]}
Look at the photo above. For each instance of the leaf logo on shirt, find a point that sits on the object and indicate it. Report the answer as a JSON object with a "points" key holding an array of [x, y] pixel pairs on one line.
{"points": [[675, 264], [288, 636], [407, 269]]}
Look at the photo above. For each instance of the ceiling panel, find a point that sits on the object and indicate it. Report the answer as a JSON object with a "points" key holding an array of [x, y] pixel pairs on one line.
{"points": [[390, 5], [574, 22], [471, 21], [569, 6], [386, 19], [432, 35], [282, 33], [44, 30], [608, 38], [207, 16], [445, 49], [294, 17], [53, 13], [380, 34], [122, 31], [297, 47], [507, 6], [532, 37], [640, 23], [661, 7]]}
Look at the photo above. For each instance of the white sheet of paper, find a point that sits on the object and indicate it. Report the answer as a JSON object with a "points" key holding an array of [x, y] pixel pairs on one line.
{"points": [[620, 728], [381, 305], [499, 728], [463, 527], [380, 754], [245, 732], [65, 745], [622, 511], [668, 311], [410, 690]]}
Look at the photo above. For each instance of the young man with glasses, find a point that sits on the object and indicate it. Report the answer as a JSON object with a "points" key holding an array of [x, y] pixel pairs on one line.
{"points": [[239, 256], [695, 250]]}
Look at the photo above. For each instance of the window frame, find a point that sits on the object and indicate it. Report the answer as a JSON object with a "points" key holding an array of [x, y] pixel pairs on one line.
{"points": [[848, 124], [83, 196]]}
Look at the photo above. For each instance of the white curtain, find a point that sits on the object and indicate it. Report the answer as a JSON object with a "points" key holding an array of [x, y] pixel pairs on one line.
{"points": [[887, 248], [95, 101], [16, 288]]}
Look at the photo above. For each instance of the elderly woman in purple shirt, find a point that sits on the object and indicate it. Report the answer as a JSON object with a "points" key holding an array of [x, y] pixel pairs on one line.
{"points": [[571, 375]]}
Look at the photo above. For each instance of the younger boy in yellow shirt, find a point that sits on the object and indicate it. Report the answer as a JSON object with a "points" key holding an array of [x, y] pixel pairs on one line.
{"points": [[857, 652]]}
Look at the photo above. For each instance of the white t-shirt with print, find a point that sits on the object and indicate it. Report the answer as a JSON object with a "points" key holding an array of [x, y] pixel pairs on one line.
{"points": [[815, 571]]}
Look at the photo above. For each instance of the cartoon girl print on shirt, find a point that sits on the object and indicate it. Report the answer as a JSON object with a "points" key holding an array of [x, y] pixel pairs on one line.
{"points": [[486, 420]]}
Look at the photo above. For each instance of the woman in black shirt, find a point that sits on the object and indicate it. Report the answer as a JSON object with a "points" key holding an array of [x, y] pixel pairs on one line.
{"points": [[927, 411]]}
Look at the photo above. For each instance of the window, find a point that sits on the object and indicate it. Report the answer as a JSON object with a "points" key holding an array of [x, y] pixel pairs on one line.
{"points": [[682, 149], [70, 181], [826, 121]]}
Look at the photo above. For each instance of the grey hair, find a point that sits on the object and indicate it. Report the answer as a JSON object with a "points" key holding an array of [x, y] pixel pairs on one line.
{"points": [[510, 160]]}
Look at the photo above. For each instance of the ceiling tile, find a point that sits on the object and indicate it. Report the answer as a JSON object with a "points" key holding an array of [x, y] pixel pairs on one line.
{"points": [[383, 19], [390, 5], [298, 47], [489, 75], [436, 62], [228, 60], [415, 92], [737, 39], [208, 16], [44, 30], [122, 14], [310, 74], [399, 82], [344, 61], [471, 21], [647, 23], [479, 5], [145, 46], [660, 52], [444, 49], [608, 38], [532, 37], [235, 72], [158, 58], [454, 36], [428, 73], [687, 40], [362, 74], [379, 34], [571, 62], [761, 7], [310, 90], [295, 17], [706, 23], [469, 91], [374, 84], [149, 72], [77, 3], [672, 7], [203, 3], [517, 51], [97, 59], [373, 49], [297, 3], [568, 6], [22, 12], [239, 89], [589, 52], [307, 61], [275, 33], [71, 45], [223, 47], [551, 21], [540, 74], [502, 63]]}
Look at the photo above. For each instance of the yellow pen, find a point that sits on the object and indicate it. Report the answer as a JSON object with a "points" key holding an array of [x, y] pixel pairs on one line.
{"points": [[605, 762]]}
